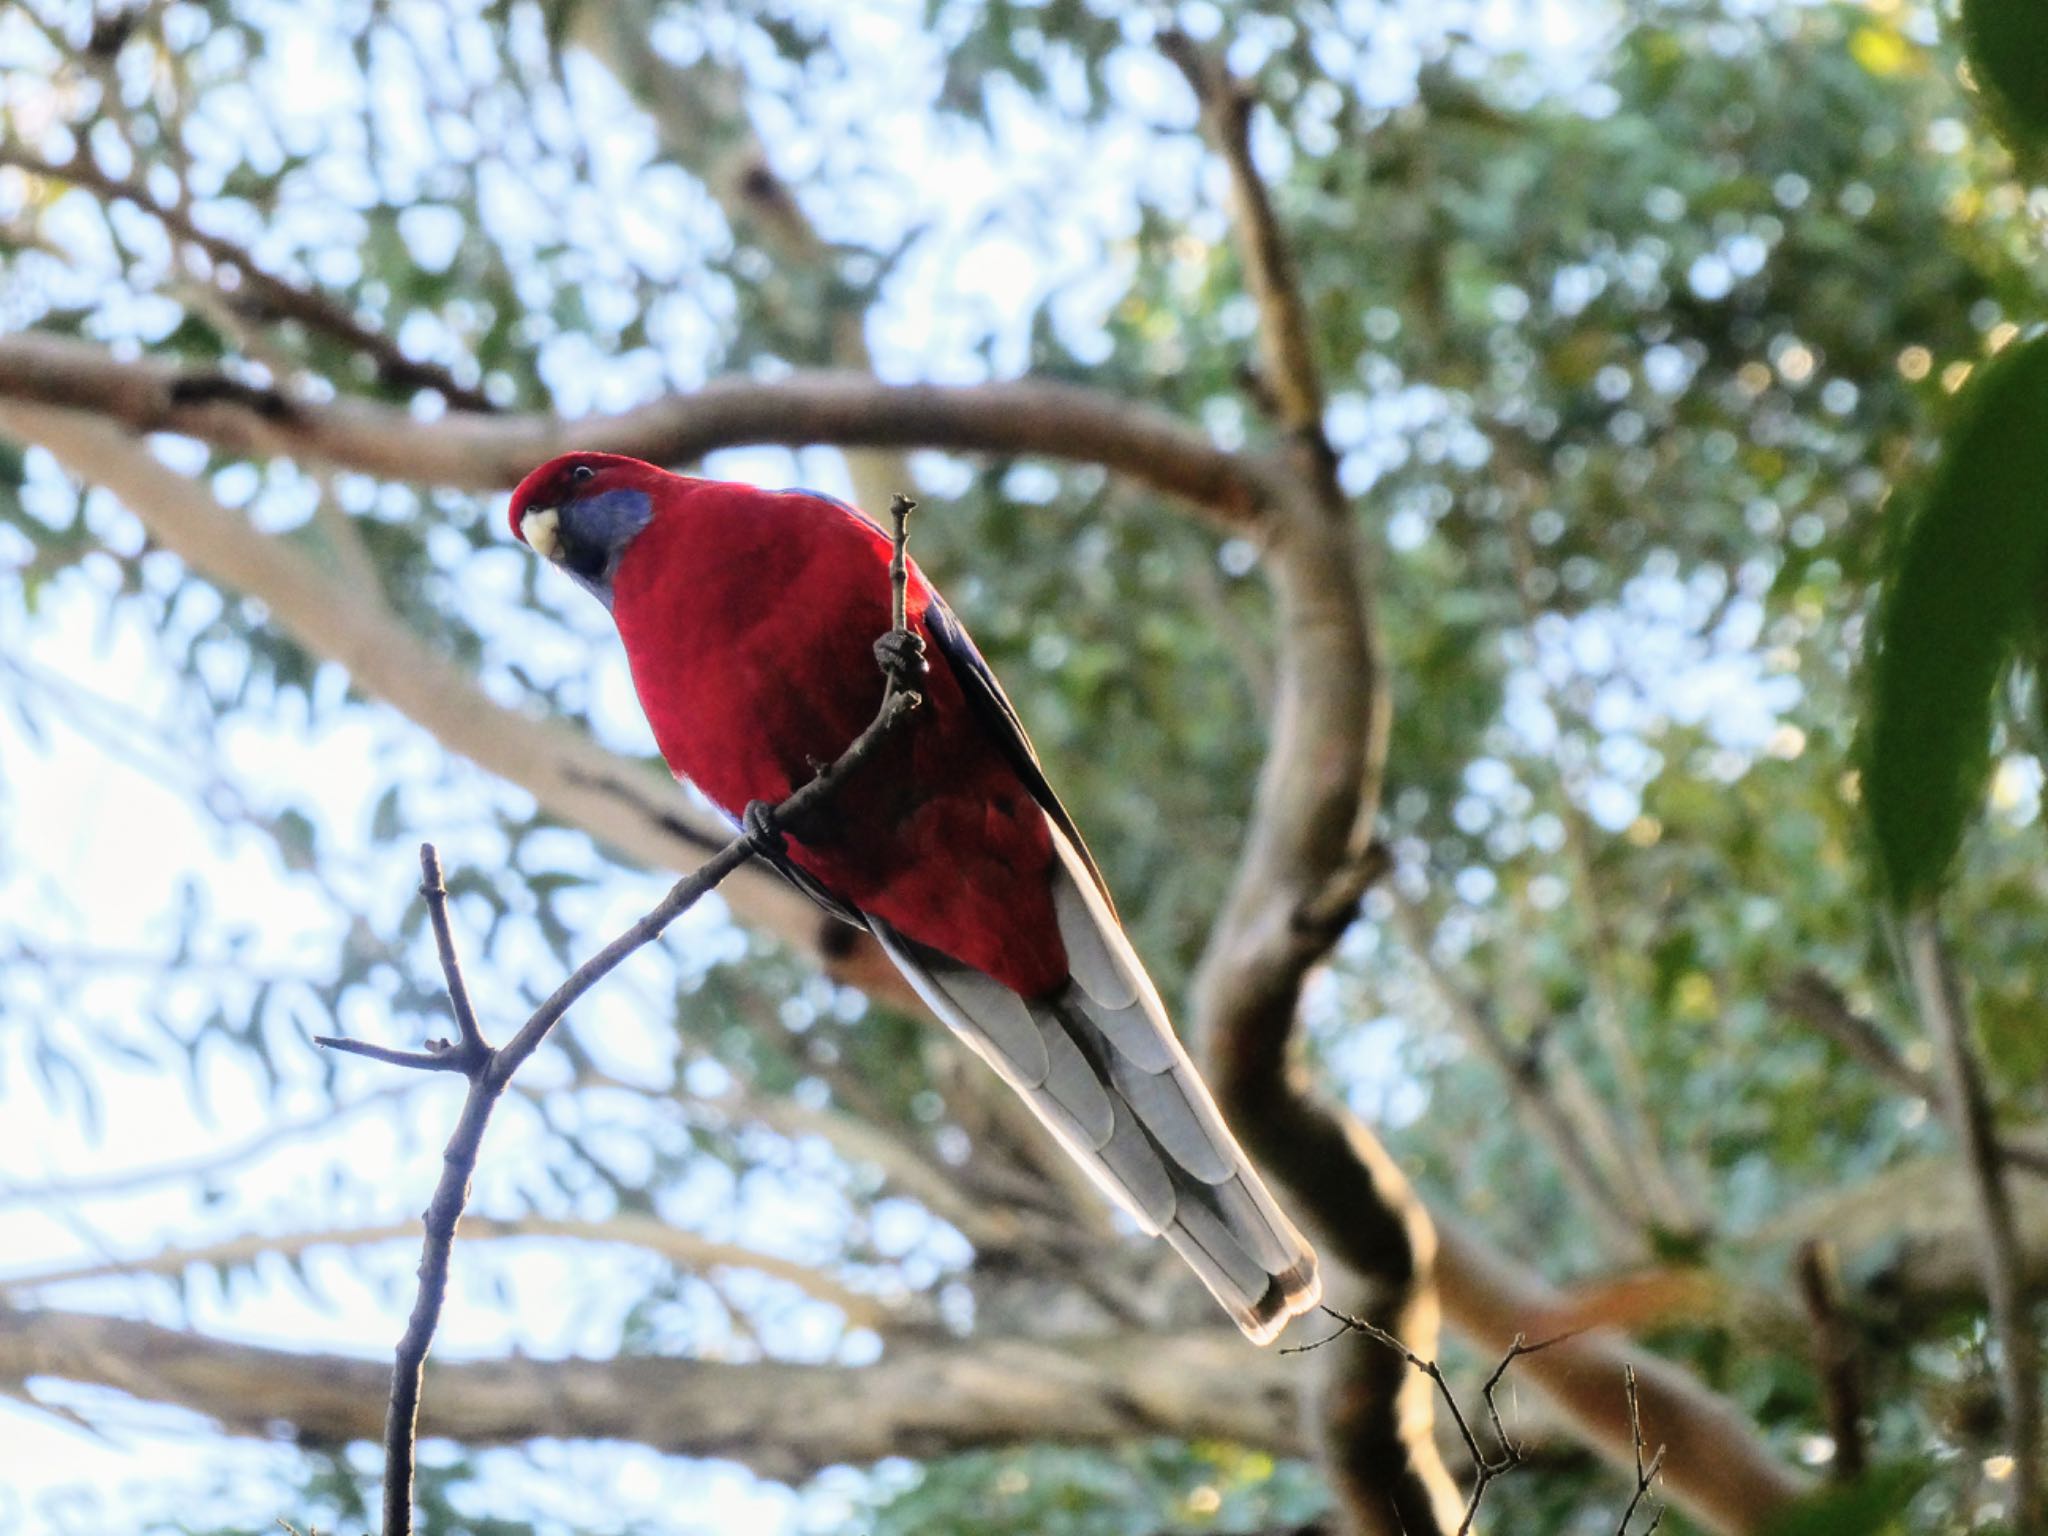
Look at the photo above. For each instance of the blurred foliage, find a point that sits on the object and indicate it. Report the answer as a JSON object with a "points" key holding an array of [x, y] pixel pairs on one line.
{"points": [[1629, 341], [1046, 1491]]}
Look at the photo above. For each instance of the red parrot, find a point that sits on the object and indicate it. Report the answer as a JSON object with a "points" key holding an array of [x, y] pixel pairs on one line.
{"points": [[751, 620]]}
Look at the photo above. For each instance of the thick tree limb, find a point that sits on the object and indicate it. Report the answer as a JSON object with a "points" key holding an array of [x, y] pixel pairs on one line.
{"points": [[781, 1420], [1307, 860], [490, 453], [1317, 795]]}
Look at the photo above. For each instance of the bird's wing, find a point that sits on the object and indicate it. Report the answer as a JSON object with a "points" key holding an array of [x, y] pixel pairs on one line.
{"points": [[1098, 1061], [1099, 1064], [998, 716]]}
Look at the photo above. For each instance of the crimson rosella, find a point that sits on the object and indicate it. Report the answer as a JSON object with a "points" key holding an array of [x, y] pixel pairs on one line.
{"points": [[750, 619]]}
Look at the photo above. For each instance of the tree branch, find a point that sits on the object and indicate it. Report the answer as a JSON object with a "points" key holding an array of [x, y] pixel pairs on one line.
{"points": [[1288, 366], [1836, 1356], [260, 290], [490, 1070], [490, 453], [1968, 1110], [684, 1249], [1306, 855], [779, 1419], [1523, 1071]]}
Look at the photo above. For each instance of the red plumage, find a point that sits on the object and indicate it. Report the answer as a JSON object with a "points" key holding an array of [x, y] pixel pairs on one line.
{"points": [[750, 618]]}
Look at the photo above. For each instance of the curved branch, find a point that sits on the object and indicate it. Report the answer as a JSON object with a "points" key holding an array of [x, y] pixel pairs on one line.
{"points": [[684, 1249], [781, 1420], [1307, 858], [488, 453], [1290, 375]]}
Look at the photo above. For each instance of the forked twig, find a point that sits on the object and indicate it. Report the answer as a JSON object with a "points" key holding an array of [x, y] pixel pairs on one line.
{"points": [[489, 1070], [1646, 1474], [1485, 1468]]}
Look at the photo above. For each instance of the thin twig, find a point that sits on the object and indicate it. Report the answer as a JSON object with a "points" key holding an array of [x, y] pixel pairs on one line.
{"points": [[1819, 1004], [1836, 1355], [900, 508], [489, 1070], [269, 292], [1968, 1111], [1526, 1073], [1485, 1468], [1646, 1473], [1812, 998], [435, 890]]}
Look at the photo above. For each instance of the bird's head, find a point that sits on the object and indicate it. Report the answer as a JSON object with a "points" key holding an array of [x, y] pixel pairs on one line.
{"points": [[582, 510]]}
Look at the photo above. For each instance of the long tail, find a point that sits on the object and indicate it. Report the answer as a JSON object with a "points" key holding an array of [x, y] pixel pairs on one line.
{"points": [[1099, 1063]]}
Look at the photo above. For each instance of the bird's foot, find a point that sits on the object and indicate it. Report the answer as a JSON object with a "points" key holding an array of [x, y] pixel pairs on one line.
{"points": [[763, 831], [900, 655]]}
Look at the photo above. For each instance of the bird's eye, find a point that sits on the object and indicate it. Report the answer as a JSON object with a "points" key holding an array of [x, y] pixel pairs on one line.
{"points": [[581, 473]]}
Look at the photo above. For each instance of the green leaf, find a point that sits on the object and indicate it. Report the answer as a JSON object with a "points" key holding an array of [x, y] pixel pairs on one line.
{"points": [[1874, 1505], [1956, 608], [2007, 43]]}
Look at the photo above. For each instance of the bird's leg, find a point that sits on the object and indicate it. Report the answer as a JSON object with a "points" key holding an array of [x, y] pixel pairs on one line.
{"points": [[900, 655], [764, 832]]}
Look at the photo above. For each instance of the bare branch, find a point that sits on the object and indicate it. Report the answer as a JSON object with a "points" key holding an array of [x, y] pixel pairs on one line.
{"points": [[1526, 1076], [429, 1060], [259, 289], [489, 1071], [490, 453], [1289, 373], [1818, 1003], [684, 1249], [921, 1399], [1968, 1110], [1836, 1355], [435, 891], [1646, 1473], [1715, 1465], [1485, 1468]]}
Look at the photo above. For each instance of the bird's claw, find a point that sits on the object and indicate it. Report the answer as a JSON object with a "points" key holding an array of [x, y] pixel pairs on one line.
{"points": [[900, 655], [763, 831]]}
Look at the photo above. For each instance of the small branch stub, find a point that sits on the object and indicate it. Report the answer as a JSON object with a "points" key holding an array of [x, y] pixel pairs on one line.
{"points": [[900, 508]]}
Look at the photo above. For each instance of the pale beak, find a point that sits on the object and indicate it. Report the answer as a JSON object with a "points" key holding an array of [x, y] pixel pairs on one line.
{"points": [[542, 530]]}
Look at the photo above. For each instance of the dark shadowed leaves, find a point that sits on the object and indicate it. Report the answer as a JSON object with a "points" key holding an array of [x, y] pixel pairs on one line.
{"points": [[1958, 603], [2007, 41], [1875, 1505]]}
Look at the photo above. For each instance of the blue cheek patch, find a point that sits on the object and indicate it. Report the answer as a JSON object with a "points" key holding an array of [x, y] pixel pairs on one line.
{"points": [[598, 529]]}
